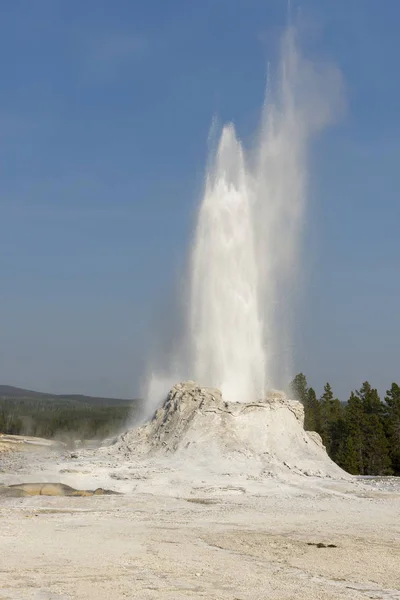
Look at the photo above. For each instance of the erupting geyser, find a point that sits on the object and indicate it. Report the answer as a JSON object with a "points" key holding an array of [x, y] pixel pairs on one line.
{"points": [[245, 257], [226, 321], [243, 267]]}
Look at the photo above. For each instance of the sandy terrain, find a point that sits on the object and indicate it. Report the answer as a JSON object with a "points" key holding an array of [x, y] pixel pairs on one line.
{"points": [[178, 533]]}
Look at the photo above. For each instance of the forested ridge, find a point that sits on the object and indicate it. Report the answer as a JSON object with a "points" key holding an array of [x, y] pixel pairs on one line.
{"points": [[25, 412], [362, 435]]}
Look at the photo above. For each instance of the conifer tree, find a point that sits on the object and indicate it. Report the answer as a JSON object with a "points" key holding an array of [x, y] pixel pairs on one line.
{"points": [[299, 388], [336, 428], [363, 435], [347, 456], [354, 445], [376, 460], [392, 422], [312, 412], [325, 404], [308, 398]]}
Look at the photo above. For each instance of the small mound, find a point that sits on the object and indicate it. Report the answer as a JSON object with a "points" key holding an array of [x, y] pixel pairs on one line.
{"points": [[19, 490], [197, 425]]}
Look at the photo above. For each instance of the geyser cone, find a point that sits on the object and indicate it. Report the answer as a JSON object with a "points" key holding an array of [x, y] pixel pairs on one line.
{"points": [[197, 426]]}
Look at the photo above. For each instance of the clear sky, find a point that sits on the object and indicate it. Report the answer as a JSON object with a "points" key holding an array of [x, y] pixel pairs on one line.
{"points": [[105, 109]]}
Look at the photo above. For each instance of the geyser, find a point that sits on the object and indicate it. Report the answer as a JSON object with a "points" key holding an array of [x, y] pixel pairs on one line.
{"points": [[198, 430], [245, 258], [243, 269], [226, 320]]}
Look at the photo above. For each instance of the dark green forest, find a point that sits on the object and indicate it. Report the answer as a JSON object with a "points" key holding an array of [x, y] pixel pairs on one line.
{"points": [[362, 435], [63, 417]]}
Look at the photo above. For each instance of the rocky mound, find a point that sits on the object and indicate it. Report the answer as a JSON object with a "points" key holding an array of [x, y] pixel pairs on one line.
{"points": [[195, 424]]}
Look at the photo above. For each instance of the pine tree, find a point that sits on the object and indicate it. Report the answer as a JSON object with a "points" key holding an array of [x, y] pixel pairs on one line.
{"points": [[352, 458], [376, 460], [336, 428], [362, 436], [299, 388], [326, 402], [392, 425], [308, 398], [312, 420], [347, 456]]}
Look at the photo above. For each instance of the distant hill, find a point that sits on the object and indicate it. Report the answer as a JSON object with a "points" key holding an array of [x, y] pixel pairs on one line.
{"points": [[9, 392], [65, 416]]}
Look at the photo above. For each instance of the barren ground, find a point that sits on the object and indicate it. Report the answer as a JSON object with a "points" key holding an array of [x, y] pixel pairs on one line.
{"points": [[175, 533]]}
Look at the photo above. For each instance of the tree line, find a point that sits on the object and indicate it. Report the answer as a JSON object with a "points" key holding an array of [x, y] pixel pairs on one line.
{"points": [[64, 418], [362, 435]]}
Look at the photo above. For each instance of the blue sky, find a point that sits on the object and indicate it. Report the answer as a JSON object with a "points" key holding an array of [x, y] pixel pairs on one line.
{"points": [[105, 110]]}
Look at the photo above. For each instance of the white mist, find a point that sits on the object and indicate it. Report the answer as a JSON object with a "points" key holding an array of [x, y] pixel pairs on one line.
{"points": [[246, 256]]}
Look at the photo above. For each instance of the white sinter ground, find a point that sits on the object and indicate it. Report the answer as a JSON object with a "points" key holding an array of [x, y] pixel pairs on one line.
{"points": [[225, 529]]}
